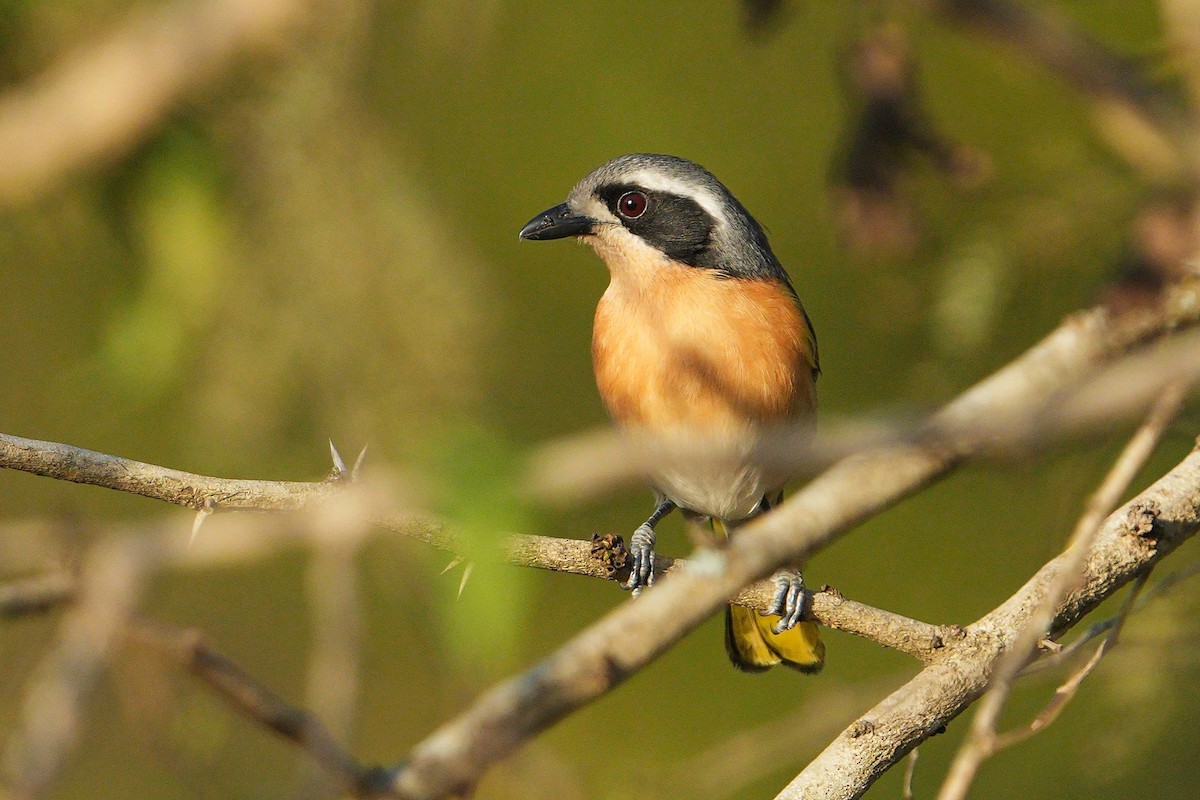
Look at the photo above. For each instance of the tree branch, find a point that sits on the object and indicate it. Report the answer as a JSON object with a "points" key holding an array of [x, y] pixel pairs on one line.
{"points": [[597, 559], [1050, 39], [1132, 540], [39, 593], [51, 716], [198, 492], [251, 698], [99, 103], [981, 740], [599, 658]]}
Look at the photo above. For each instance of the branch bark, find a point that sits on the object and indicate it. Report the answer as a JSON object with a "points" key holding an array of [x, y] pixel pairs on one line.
{"points": [[99, 103], [452, 759], [250, 697], [1132, 540], [1161, 127], [575, 556], [197, 492]]}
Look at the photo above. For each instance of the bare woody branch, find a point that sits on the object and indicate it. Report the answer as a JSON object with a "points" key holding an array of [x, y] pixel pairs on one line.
{"points": [[574, 556], [106, 591], [99, 103], [453, 758], [52, 713], [599, 658], [256, 701], [1154, 125], [38, 593], [589, 464], [1132, 540], [197, 492], [981, 739], [920, 640], [1050, 39]]}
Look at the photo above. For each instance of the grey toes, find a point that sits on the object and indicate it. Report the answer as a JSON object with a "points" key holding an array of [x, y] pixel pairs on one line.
{"points": [[641, 551], [788, 601]]}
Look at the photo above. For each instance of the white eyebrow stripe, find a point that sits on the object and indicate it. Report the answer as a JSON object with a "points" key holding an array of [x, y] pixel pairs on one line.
{"points": [[594, 208], [658, 182]]}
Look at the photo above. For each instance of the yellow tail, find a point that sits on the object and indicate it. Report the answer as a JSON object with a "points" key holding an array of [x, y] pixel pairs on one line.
{"points": [[754, 647]]}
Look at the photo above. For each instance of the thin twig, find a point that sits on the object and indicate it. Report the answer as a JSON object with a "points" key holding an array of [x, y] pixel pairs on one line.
{"points": [[1153, 125], [727, 768], [39, 593], [1134, 539], [258, 702], [334, 662], [575, 556], [981, 740], [232, 540], [52, 709], [197, 492], [1064, 693], [1164, 585]]}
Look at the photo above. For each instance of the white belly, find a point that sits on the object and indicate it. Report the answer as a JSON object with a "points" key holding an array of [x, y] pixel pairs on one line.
{"points": [[727, 487]]}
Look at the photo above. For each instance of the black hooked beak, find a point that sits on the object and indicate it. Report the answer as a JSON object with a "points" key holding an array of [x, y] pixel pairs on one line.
{"points": [[557, 223]]}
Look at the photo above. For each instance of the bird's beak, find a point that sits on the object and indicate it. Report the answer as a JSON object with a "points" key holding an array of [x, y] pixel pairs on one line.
{"points": [[557, 223]]}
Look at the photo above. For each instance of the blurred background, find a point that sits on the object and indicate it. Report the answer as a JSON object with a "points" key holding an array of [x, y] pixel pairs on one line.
{"points": [[317, 241]]}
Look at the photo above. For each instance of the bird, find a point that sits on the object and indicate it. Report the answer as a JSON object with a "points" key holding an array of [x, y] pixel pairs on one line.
{"points": [[699, 336]]}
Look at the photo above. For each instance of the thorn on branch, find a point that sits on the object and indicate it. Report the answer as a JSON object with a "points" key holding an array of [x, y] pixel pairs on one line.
{"points": [[206, 510], [466, 576], [340, 471], [910, 770], [339, 466], [358, 462]]}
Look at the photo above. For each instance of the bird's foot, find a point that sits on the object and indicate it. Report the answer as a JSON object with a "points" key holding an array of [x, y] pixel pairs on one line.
{"points": [[641, 552], [789, 599]]}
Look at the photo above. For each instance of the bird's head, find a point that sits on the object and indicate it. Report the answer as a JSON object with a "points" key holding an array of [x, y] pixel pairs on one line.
{"points": [[646, 209]]}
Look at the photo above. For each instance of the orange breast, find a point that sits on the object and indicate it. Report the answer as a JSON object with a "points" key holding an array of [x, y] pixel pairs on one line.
{"points": [[691, 351]]}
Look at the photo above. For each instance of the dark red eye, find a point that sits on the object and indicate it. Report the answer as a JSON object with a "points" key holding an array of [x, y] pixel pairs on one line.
{"points": [[632, 205]]}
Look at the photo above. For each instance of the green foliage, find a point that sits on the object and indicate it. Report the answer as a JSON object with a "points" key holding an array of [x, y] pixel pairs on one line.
{"points": [[485, 611], [181, 232]]}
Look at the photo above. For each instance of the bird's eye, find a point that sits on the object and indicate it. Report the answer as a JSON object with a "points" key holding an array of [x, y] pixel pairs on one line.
{"points": [[632, 205]]}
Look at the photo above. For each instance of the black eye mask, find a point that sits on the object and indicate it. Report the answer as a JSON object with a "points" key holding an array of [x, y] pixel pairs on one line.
{"points": [[676, 225]]}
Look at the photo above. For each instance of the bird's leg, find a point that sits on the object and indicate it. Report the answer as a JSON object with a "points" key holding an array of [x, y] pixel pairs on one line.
{"points": [[641, 550], [789, 599]]}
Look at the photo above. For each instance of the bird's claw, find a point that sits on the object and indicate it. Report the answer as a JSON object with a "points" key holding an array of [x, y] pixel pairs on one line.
{"points": [[641, 553], [789, 599]]}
